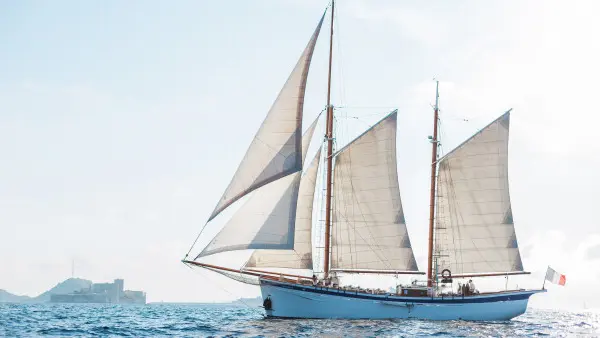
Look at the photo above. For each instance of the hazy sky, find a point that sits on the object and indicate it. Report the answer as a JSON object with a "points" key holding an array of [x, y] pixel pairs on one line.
{"points": [[121, 123]]}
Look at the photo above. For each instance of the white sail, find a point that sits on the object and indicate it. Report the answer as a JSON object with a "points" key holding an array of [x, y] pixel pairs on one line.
{"points": [[265, 221], [307, 137], [369, 231], [276, 150], [301, 255], [474, 224]]}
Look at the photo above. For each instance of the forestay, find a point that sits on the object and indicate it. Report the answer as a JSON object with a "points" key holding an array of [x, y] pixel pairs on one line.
{"points": [[369, 231], [474, 224], [301, 255], [276, 149]]}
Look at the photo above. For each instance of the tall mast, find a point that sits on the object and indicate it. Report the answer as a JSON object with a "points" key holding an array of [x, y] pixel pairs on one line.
{"points": [[329, 137], [434, 148]]}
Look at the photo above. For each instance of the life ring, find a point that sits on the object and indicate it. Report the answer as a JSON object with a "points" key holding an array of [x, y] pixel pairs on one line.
{"points": [[449, 275]]}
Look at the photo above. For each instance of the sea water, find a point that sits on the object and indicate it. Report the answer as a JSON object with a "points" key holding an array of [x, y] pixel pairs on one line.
{"points": [[156, 320]]}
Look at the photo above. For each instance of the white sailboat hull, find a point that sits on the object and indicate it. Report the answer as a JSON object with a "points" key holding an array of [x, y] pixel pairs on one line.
{"points": [[300, 301]]}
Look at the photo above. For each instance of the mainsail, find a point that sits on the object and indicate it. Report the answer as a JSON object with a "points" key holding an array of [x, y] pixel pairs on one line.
{"points": [[474, 232], [301, 255], [369, 230], [276, 149]]}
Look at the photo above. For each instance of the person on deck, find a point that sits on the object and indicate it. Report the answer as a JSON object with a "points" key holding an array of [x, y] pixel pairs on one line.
{"points": [[335, 282], [472, 288], [314, 278]]}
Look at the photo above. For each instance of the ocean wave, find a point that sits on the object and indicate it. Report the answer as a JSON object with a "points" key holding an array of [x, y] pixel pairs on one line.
{"points": [[196, 321]]}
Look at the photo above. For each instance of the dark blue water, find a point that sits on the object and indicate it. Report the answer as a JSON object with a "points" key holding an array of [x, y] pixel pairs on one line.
{"points": [[60, 320]]}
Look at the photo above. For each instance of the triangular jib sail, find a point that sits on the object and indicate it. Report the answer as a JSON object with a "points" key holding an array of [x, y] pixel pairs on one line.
{"points": [[474, 224], [268, 219], [265, 221], [276, 149], [301, 255], [369, 230]]}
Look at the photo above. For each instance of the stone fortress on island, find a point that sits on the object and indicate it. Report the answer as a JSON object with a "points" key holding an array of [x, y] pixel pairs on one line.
{"points": [[102, 293]]}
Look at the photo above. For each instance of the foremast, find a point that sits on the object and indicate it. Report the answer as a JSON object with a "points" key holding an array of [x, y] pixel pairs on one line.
{"points": [[434, 155], [389, 225], [329, 155]]}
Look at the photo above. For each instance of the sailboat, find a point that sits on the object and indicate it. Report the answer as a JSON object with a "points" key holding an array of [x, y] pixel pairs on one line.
{"points": [[471, 228]]}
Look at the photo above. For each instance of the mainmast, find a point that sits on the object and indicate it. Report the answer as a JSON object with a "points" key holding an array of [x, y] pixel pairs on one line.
{"points": [[329, 137], [434, 149]]}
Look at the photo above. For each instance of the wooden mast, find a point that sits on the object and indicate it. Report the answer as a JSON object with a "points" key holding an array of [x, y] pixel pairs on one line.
{"points": [[434, 148], [329, 137]]}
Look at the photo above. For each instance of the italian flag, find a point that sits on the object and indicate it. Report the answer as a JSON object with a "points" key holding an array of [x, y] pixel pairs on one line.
{"points": [[555, 277]]}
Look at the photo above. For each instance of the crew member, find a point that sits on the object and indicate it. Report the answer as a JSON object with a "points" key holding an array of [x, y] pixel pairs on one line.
{"points": [[472, 288], [335, 282]]}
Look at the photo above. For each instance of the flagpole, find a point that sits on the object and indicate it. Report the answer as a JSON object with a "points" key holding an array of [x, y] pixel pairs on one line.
{"points": [[544, 284]]}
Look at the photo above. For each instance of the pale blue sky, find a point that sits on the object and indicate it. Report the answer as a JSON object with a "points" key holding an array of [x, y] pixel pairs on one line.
{"points": [[122, 122]]}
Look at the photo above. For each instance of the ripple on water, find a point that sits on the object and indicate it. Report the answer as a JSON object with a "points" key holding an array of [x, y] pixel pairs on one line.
{"points": [[63, 320]]}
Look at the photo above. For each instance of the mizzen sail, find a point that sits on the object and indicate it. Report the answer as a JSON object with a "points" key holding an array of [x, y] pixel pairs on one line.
{"points": [[369, 231], [474, 224], [301, 255], [276, 150]]}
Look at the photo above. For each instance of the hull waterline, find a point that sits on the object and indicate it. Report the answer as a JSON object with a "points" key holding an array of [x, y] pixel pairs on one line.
{"points": [[301, 301]]}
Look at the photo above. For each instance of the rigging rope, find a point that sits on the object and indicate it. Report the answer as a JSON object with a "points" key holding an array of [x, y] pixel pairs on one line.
{"points": [[196, 240], [224, 289]]}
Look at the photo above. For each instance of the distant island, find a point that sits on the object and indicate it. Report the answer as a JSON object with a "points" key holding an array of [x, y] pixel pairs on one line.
{"points": [[68, 286], [77, 290], [7, 297]]}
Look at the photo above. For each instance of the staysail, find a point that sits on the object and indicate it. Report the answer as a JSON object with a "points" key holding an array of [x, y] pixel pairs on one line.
{"points": [[301, 255], [369, 230], [474, 225], [265, 221], [268, 219], [276, 149]]}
